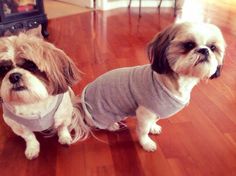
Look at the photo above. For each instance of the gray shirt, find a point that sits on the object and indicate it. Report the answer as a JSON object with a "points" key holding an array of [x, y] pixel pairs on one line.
{"points": [[118, 93], [37, 122]]}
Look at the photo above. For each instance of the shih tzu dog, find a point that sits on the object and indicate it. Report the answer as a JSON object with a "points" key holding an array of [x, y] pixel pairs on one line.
{"points": [[35, 90], [180, 56]]}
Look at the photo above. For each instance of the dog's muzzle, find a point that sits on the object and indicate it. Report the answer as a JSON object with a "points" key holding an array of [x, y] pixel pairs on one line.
{"points": [[204, 52], [15, 80]]}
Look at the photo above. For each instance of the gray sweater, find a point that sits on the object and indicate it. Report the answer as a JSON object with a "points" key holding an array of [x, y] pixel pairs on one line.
{"points": [[118, 93], [37, 122]]}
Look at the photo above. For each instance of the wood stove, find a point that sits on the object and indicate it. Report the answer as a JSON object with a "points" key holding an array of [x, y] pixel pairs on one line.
{"points": [[17, 15]]}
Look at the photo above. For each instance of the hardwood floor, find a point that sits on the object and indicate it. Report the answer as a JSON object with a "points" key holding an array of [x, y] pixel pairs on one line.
{"points": [[198, 141]]}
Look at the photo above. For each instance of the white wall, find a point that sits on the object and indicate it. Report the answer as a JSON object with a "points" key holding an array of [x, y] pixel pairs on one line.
{"points": [[82, 3], [111, 4]]}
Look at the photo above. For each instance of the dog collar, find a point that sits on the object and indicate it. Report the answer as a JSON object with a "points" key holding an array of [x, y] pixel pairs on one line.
{"points": [[38, 122]]}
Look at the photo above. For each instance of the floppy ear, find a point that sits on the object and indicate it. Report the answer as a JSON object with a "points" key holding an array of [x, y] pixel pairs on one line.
{"points": [[157, 49], [61, 71], [217, 73]]}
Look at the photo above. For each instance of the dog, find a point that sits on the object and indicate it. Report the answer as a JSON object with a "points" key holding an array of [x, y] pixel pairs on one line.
{"points": [[180, 56], [36, 79]]}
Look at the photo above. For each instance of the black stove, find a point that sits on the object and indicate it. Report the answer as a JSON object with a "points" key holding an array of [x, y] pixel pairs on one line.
{"points": [[17, 15]]}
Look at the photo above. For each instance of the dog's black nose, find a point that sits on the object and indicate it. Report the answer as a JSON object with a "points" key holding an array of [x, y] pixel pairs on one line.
{"points": [[203, 51], [15, 77]]}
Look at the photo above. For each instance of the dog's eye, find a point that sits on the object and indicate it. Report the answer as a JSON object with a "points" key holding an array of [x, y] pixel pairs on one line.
{"points": [[189, 46], [213, 48], [5, 69], [5, 66], [29, 65]]}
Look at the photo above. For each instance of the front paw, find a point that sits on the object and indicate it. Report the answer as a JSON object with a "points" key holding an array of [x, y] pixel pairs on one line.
{"points": [[148, 144], [32, 150], [65, 139], [114, 127], [155, 129]]}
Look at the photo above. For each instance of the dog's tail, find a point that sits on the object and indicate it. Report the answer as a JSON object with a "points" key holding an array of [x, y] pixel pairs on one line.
{"points": [[78, 128]]}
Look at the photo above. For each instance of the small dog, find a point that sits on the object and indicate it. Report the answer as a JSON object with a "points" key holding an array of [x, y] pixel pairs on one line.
{"points": [[180, 56], [35, 89]]}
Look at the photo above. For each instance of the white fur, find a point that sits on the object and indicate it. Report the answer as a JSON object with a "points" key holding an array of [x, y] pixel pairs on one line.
{"points": [[32, 101], [32, 144], [146, 120], [36, 90], [63, 117], [187, 69], [33, 73], [204, 35]]}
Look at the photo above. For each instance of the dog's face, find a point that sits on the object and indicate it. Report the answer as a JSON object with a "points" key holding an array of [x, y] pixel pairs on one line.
{"points": [[31, 69], [189, 49]]}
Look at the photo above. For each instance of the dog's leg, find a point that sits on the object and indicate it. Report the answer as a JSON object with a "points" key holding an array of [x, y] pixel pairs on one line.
{"points": [[63, 119], [32, 145], [62, 126], [64, 135], [145, 121], [155, 129], [114, 127]]}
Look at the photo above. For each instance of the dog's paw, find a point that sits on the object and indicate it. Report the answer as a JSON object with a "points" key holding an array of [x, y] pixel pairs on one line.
{"points": [[148, 144], [114, 127], [155, 129], [32, 150], [65, 139]]}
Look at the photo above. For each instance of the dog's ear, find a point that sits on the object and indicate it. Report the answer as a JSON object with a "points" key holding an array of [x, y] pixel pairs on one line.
{"points": [[217, 73], [61, 71], [157, 49]]}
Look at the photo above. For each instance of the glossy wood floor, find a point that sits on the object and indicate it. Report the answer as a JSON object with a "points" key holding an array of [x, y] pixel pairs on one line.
{"points": [[198, 141]]}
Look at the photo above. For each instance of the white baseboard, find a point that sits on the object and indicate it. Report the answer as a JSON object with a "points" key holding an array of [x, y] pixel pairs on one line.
{"points": [[107, 5], [81, 3]]}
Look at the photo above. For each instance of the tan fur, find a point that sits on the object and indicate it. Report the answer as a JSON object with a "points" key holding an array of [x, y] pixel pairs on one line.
{"points": [[55, 74], [181, 55], [59, 68], [176, 66]]}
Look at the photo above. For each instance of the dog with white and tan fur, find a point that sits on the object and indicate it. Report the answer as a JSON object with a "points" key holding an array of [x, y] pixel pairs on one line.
{"points": [[36, 79], [181, 56]]}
